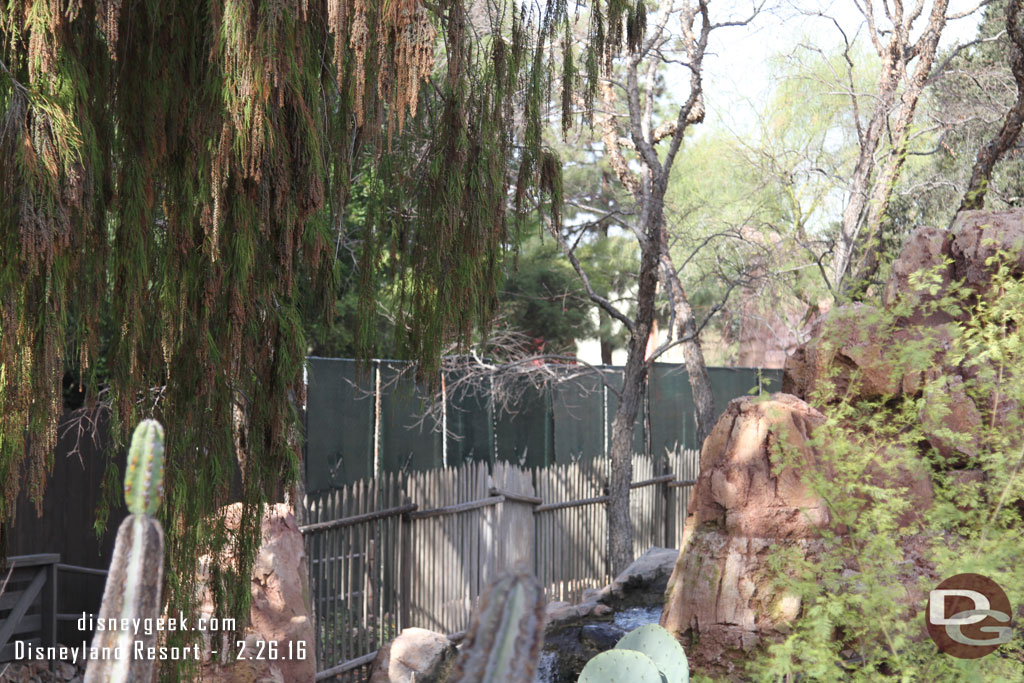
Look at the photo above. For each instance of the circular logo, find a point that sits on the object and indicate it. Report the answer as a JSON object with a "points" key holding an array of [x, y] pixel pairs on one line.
{"points": [[968, 616]]}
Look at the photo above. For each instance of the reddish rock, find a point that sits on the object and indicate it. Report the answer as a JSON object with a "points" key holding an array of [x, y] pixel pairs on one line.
{"points": [[798, 372], [279, 615], [978, 235], [847, 350], [902, 473], [741, 511], [950, 419], [926, 248], [721, 599], [737, 490]]}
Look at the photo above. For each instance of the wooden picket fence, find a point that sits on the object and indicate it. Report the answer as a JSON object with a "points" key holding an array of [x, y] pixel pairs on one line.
{"points": [[417, 549]]}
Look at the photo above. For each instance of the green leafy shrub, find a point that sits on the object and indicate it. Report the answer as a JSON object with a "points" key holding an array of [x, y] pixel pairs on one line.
{"points": [[888, 544]]}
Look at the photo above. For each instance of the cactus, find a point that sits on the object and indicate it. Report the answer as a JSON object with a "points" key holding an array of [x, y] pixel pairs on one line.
{"points": [[664, 650], [132, 591], [621, 666], [648, 653], [504, 642], [144, 480]]}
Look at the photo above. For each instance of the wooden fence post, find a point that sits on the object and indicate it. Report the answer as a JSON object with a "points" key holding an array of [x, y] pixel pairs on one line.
{"points": [[405, 569], [49, 607], [669, 498]]}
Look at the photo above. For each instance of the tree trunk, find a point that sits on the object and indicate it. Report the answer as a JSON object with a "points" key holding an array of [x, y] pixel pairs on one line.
{"points": [[696, 368], [981, 174], [871, 190], [860, 184], [606, 349], [620, 527]]}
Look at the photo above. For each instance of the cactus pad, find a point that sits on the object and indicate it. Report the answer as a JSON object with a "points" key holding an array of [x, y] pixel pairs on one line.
{"points": [[664, 650], [621, 666]]}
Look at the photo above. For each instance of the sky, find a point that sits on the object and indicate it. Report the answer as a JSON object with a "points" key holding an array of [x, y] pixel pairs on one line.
{"points": [[737, 77]]}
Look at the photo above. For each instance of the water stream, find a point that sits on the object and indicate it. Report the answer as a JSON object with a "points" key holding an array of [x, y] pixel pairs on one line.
{"points": [[634, 617], [627, 620]]}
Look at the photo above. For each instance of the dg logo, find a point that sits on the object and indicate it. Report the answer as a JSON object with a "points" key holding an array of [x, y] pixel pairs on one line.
{"points": [[969, 616]]}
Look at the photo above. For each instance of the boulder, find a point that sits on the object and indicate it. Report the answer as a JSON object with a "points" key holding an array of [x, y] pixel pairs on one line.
{"points": [[926, 248], [644, 581], [978, 235], [896, 469], [950, 419], [737, 490], [561, 613], [415, 656], [722, 598], [279, 613], [850, 343], [847, 349], [741, 511]]}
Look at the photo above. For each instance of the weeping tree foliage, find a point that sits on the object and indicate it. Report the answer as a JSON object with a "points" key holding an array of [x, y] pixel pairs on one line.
{"points": [[183, 166]]}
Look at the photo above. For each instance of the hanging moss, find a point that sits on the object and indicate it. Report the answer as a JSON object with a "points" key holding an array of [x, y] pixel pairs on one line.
{"points": [[182, 166]]}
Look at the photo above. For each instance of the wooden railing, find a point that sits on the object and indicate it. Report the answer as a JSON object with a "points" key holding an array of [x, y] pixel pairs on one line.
{"points": [[28, 603], [417, 549], [29, 610]]}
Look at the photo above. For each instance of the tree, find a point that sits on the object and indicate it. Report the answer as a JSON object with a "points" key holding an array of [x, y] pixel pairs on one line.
{"points": [[185, 166], [543, 299], [644, 174], [883, 124], [1006, 137]]}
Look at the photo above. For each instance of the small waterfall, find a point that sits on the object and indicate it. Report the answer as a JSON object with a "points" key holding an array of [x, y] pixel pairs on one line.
{"points": [[635, 617], [545, 668]]}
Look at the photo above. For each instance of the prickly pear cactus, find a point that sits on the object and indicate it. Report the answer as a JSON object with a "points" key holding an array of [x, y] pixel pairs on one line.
{"points": [[136, 571], [621, 666], [504, 642], [664, 650]]}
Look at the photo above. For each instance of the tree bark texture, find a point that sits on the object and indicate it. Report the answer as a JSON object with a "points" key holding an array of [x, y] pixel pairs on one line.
{"points": [[981, 174], [620, 526], [696, 368], [871, 187]]}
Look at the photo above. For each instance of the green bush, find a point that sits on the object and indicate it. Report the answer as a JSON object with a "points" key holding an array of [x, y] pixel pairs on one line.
{"points": [[863, 615]]}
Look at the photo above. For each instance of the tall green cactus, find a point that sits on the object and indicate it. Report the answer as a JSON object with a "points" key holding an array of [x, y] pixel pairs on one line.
{"points": [[136, 571], [144, 480], [504, 642]]}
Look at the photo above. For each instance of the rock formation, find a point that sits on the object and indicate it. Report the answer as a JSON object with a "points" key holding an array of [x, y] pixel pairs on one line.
{"points": [[720, 600], [415, 656], [280, 595], [741, 508]]}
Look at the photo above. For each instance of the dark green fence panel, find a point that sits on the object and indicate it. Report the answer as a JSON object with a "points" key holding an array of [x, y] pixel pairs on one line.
{"points": [[407, 440], [771, 381], [524, 436], [614, 378], [339, 442], [671, 405], [569, 422], [730, 383], [578, 413], [470, 425]]}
